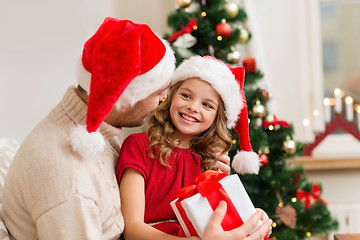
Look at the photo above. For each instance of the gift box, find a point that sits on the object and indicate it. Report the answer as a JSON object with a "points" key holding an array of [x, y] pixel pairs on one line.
{"points": [[195, 204]]}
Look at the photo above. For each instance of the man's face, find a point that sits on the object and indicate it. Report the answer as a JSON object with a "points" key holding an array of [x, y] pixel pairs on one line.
{"points": [[135, 116]]}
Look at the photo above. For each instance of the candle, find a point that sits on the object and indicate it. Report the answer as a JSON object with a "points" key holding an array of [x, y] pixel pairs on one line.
{"points": [[338, 101], [317, 123], [358, 116], [327, 110], [349, 110], [307, 131]]}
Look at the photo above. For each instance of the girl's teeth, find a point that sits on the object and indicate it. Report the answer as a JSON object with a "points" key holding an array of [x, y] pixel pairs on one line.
{"points": [[189, 118]]}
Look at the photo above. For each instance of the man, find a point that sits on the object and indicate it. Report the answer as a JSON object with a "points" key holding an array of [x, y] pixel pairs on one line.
{"points": [[61, 183]]}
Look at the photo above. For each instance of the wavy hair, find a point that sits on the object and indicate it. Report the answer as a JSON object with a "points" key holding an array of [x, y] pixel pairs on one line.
{"points": [[207, 145]]}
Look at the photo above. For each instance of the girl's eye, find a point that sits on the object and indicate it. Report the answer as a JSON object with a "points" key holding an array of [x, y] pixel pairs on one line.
{"points": [[185, 95], [207, 105]]}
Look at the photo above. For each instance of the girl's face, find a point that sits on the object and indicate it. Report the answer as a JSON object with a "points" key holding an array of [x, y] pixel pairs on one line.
{"points": [[194, 108]]}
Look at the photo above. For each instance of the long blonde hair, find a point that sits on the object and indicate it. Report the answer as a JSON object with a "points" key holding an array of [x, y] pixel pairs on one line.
{"points": [[160, 129]]}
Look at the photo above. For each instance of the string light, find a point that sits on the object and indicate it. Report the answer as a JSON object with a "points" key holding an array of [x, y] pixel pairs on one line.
{"points": [[219, 38], [195, 27], [233, 141], [203, 14], [271, 127], [187, 10], [294, 199], [280, 204], [274, 224], [308, 234]]}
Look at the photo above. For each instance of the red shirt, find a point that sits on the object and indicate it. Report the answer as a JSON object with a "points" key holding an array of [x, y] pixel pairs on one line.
{"points": [[161, 183]]}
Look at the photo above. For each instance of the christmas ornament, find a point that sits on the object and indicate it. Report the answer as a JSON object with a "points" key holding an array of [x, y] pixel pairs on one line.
{"points": [[233, 56], [258, 122], [287, 216], [185, 41], [258, 110], [223, 29], [297, 178], [289, 146], [310, 197], [211, 50], [272, 120], [243, 36], [264, 160], [265, 94], [249, 64], [189, 28], [231, 9], [183, 3]]}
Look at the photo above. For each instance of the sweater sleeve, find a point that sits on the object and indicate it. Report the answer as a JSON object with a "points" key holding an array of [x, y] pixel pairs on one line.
{"points": [[77, 218], [133, 154]]}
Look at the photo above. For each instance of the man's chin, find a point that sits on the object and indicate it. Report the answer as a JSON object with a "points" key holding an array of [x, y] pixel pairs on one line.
{"points": [[135, 124]]}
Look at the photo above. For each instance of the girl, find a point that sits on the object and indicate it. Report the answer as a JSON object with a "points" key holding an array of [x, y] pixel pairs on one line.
{"points": [[183, 138]]}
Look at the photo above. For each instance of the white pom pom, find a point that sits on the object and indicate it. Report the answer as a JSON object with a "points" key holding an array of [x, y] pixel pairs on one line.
{"points": [[84, 143], [246, 162]]}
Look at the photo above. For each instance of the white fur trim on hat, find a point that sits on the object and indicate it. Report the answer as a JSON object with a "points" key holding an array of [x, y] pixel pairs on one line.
{"points": [[221, 79], [84, 143], [246, 162]]}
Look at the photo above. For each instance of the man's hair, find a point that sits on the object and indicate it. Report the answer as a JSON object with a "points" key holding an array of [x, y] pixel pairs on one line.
{"points": [[160, 129]]}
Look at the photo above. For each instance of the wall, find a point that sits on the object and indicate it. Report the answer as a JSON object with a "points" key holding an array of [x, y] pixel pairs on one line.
{"points": [[40, 44], [42, 40]]}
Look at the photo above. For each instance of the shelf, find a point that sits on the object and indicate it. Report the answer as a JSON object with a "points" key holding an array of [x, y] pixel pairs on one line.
{"points": [[317, 163]]}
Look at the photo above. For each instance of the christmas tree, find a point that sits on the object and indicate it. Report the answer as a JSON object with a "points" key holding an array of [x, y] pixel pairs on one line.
{"points": [[218, 28]]}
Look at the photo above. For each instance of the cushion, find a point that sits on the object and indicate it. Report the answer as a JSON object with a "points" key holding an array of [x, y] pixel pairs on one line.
{"points": [[8, 148]]}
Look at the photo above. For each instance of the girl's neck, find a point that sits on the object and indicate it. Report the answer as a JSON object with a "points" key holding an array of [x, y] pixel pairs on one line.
{"points": [[184, 140]]}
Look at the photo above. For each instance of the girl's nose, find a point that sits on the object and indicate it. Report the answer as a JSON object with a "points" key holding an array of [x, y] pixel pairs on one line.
{"points": [[193, 107]]}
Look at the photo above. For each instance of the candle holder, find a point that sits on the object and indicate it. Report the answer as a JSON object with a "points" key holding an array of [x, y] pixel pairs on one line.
{"points": [[338, 122]]}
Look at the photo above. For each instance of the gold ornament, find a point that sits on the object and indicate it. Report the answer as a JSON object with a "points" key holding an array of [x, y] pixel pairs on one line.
{"points": [[233, 56], [258, 110], [244, 36], [183, 3], [289, 146], [287, 216], [231, 9]]}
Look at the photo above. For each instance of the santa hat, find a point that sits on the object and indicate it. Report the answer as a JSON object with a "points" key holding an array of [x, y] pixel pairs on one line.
{"points": [[228, 81], [121, 64]]}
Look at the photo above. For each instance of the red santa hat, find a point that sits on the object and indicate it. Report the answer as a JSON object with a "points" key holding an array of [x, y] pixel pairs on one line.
{"points": [[228, 81], [121, 64]]}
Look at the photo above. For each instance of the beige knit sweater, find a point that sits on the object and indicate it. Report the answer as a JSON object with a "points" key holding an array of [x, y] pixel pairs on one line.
{"points": [[52, 193]]}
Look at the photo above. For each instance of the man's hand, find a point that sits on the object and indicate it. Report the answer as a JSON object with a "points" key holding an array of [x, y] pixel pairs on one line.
{"points": [[223, 161], [214, 231]]}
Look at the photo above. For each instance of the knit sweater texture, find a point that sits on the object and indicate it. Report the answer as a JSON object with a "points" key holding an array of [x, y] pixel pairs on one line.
{"points": [[51, 192]]}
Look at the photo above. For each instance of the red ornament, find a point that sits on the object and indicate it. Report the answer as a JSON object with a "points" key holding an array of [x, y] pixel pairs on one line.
{"points": [[249, 65], [264, 160], [265, 94], [223, 29]]}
